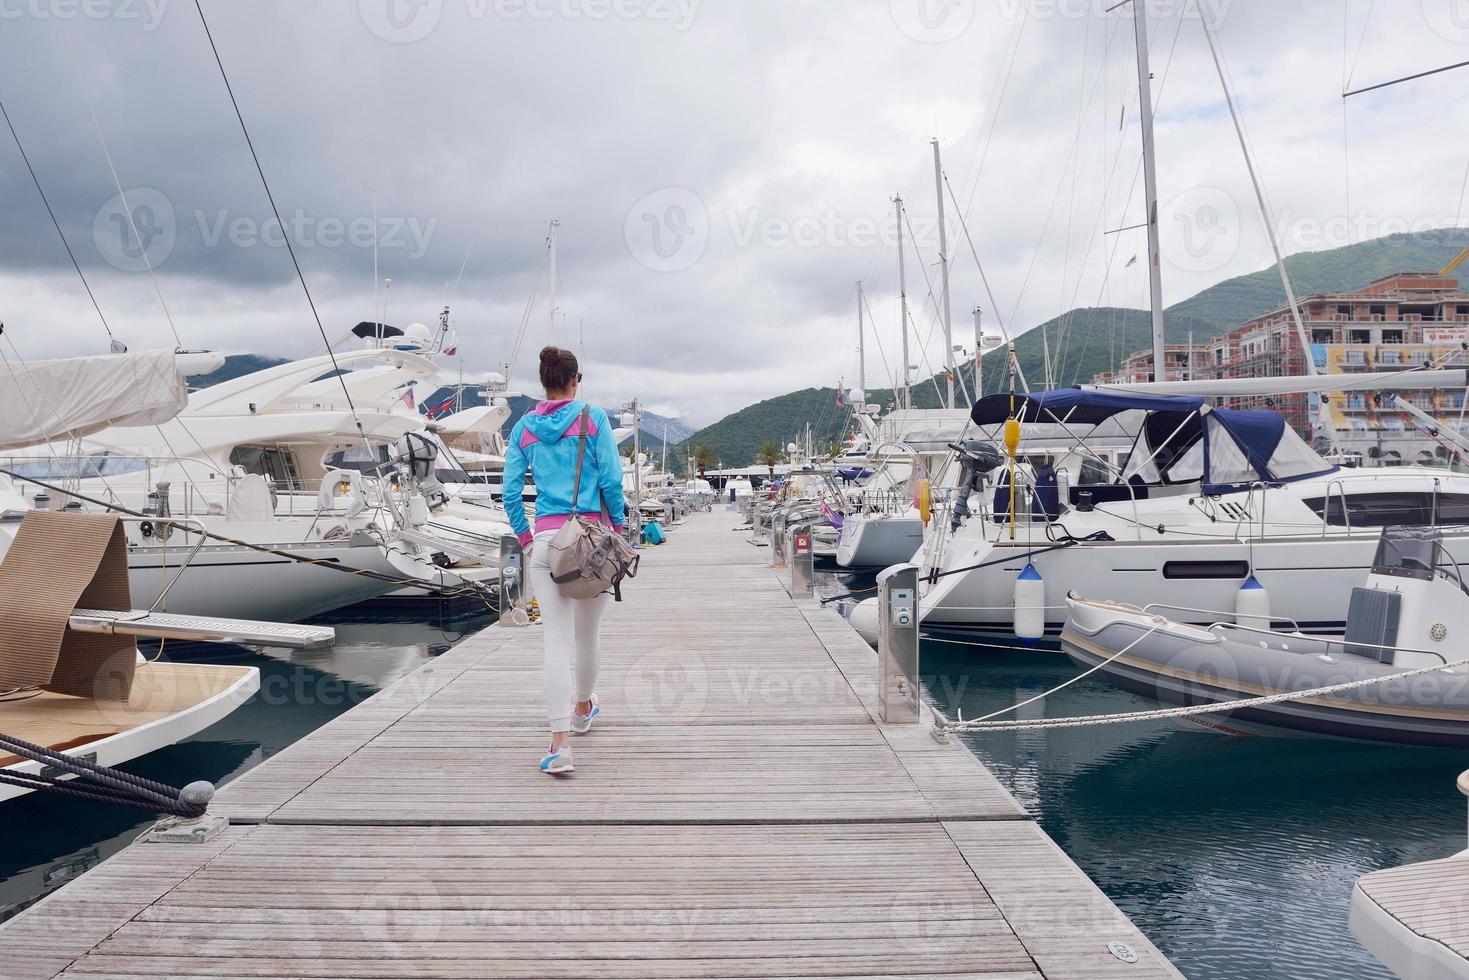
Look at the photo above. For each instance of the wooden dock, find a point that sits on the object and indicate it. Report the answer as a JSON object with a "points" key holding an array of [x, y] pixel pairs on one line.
{"points": [[1415, 918], [738, 812]]}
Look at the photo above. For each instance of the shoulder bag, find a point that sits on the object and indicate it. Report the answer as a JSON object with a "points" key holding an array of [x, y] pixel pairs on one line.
{"points": [[588, 558]]}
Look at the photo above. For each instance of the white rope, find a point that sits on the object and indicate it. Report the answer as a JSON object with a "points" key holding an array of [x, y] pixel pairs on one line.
{"points": [[1188, 711], [985, 721]]}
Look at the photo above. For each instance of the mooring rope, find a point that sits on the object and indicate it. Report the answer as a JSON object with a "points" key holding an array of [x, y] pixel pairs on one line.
{"points": [[102, 784], [985, 724], [442, 591]]}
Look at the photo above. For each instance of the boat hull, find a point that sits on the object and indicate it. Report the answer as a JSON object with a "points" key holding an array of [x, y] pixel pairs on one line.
{"points": [[245, 583], [878, 540], [226, 687], [979, 601], [1176, 664]]}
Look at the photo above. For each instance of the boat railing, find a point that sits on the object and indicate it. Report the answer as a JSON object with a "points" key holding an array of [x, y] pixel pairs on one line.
{"points": [[1249, 509], [889, 500], [163, 527], [1346, 513], [1326, 641], [1329, 641], [1213, 612]]}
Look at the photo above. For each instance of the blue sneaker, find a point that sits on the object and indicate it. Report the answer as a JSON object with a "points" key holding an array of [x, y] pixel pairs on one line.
{"points": [[582, 723], [557, 762]]}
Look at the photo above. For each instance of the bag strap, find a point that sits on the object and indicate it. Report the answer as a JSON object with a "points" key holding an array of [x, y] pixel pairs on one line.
{"points": [[581, 451]]}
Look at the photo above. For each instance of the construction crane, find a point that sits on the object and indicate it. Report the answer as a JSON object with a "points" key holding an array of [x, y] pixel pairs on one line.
{"points": [[1455, 262]]}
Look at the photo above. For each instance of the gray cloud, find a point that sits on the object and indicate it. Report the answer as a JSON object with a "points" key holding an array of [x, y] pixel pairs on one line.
{"points": [[760, 139]]}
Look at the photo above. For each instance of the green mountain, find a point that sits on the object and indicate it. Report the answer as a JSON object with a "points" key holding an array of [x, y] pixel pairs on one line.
{"points": [[1090, 340]]}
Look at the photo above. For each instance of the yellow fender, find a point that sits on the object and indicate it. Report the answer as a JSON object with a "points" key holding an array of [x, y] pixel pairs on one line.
{"points": [[924, 499]]}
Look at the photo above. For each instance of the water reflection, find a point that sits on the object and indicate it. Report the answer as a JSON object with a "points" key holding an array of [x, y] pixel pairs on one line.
{"points": [[1235, 854], [49, 840]]}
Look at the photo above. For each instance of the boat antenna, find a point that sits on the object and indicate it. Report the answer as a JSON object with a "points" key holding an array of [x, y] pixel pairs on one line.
{"points": [[375, 306]]}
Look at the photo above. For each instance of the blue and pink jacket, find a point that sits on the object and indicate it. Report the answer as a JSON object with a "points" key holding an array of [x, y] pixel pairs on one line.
{"points": [[544, 441]]}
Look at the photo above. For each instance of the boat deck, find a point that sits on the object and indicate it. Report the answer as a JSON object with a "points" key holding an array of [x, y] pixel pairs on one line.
{"points": [[738, 812], [1415, 918], [163, 694]]}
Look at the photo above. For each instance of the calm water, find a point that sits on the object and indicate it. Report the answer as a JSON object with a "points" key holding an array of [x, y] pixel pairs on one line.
{"points": [[50, 840], [1236, 855]]}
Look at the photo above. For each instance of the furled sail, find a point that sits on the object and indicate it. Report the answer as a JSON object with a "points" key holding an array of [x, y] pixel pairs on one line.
{"points": [[68, 398]]}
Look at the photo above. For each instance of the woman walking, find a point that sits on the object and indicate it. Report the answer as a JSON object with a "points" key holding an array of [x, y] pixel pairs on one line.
{"points": [[546, 442]]}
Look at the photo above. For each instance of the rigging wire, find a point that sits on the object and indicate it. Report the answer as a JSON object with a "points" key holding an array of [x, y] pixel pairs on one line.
{"points": [[290, 250], [462, 265], [882, 354], [526, 313], [933, 320], [989, 294], [122, 195], [1367, 20], [1007, 68], [57, 224], [1111, 260]]}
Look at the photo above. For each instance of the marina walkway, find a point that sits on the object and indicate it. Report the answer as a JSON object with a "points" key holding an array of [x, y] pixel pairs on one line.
{"points": [[737, 813]]}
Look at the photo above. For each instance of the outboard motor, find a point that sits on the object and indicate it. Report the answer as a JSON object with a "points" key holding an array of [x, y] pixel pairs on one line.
{"points": [[416, 455], [976, 460]]}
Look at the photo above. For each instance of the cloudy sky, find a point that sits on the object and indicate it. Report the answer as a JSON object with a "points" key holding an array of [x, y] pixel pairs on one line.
{"points": [[722, 170]]}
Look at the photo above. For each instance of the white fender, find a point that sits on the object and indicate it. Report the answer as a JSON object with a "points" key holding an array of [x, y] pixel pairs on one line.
{"points": [[1252, 604], [1030, 604]]}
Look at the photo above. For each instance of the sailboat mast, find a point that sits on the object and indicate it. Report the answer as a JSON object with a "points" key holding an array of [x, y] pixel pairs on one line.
{"points": [[861, 345], [1150, 184], [907, 398], [938, 182], [551, 263]]}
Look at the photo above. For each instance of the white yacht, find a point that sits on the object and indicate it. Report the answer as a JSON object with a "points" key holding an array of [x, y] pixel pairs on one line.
{"points": [[248, 460], [881, 524], [1209, 502]]}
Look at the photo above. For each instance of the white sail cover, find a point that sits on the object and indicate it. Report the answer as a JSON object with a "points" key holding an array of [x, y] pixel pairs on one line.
{"points": [[42, 401]]}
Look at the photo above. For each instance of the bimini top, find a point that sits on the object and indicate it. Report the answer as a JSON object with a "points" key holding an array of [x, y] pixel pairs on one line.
{"points": [[1180, 439], [1083, 406]]}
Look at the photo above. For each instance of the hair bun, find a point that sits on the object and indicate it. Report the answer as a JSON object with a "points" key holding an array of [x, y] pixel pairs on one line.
{"points": [[559, 369]]}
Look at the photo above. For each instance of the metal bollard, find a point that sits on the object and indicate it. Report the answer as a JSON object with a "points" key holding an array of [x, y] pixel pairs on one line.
{"points": [[778, 554], [512, 582], [802, 562], [897, 643]]}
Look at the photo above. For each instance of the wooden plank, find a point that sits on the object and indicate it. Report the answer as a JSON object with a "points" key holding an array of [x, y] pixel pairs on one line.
{"points": [[739, 812]]}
